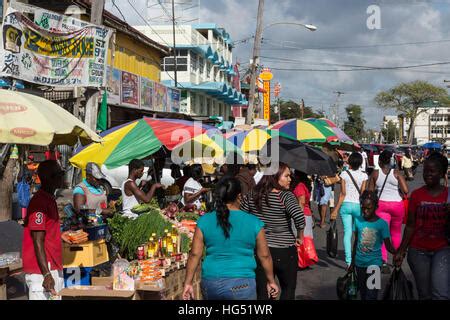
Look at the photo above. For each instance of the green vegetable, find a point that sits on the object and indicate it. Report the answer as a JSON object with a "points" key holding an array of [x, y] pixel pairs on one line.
{"points": [[116, 225], [138, 231], [187, 216], [185, 243]]}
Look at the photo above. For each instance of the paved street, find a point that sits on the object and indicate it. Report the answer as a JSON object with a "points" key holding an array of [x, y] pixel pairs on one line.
{"points": [[319, 282]]}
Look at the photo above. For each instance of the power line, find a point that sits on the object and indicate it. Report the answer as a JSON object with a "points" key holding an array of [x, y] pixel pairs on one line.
{"points": [[362, 46], [118, 9], [365, 69]]}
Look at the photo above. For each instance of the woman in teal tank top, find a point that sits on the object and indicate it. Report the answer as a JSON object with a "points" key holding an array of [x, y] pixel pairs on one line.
{"points": [[230, 237]]}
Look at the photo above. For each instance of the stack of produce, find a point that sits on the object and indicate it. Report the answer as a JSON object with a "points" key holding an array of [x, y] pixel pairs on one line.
{"points": [[78, 236], [149, 271]]}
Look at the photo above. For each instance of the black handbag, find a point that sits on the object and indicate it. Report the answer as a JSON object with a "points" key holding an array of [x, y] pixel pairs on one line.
{"points": [[399, 287], [332, 240], [347, 286]]}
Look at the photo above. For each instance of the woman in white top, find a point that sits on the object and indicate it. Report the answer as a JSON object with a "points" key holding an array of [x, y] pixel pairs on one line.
{"points": [[193, 190], [353, 183], [407, 164], [131, 194], [390, 205]]}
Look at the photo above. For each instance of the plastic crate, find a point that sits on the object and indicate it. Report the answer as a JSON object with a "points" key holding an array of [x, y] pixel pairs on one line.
{"points": [[88, 254], [77, 276], [97, 232]]}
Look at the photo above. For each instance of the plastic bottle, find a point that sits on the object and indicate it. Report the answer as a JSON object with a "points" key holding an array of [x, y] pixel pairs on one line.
{"points": [[151, 248], [352, 288], [175, 239], [170, 247]]}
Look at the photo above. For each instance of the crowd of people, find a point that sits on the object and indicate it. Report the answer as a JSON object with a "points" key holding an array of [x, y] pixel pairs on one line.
{"points": [[372, 209], [257, 225]]}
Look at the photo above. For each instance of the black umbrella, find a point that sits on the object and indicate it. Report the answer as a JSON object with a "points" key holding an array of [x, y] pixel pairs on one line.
{"points": [[297, 155]]}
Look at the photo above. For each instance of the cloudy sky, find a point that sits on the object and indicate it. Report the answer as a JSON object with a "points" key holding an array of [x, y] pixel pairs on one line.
{"points": [[313, 65]]}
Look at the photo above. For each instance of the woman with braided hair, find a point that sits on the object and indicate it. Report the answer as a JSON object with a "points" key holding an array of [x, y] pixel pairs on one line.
{"points": [[230, 237]]}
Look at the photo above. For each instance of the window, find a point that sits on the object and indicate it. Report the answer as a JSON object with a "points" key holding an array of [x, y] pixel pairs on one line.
{"points": [[209, 108], [193, 103], [437, 130], [201, 64], [202, 106], [436, 117], [208, 70], [194, 65], [168, 63]]}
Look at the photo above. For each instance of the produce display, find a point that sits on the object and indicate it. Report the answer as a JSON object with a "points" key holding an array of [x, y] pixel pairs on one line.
{"points": [[173, 190], [78, 236], [180, 216]]}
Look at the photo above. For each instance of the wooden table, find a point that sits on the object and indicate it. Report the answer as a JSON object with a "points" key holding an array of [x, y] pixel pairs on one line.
{"points": [[5, 272]]}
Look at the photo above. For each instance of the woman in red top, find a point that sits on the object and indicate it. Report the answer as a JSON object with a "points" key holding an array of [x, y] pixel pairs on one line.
{"points": [[302, 191], [425, 233]]}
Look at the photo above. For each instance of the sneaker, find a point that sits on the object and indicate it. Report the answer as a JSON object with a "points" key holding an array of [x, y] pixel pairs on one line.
{"points": [[385, 268]]}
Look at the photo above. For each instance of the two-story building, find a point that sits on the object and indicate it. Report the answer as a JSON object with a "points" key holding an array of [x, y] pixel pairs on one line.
{"points": [[205, 70], [433, 123]]}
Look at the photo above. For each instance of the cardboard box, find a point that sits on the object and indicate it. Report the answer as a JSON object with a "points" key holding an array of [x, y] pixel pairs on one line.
{"points": [[94, 293], [88, 254], [102, 281]]}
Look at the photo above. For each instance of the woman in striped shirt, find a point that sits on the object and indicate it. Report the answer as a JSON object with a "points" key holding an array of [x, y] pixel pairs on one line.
{"points": [[276, 206]]}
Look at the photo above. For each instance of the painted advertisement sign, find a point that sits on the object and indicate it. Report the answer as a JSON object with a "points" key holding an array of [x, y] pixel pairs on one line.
{"points": [[114, 83], [130, 89], [266, 100], [32, 53], [147, 89], [173, 100], [160, 98]]}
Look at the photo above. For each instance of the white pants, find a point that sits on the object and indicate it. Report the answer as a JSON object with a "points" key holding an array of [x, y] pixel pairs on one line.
{"points": [[35, 289]]}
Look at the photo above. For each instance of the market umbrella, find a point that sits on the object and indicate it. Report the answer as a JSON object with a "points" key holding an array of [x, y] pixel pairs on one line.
{"points": [[297, 155], [29, 119], [304, 131], [343, 140], [432, 145], [205, 148], [137, 140], [249, 140]]}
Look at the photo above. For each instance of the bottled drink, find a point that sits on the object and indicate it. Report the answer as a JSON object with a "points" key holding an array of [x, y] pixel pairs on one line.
{"points": [[353, 287], [160, 248], [170, 247], [175, 238], [151, 253]]}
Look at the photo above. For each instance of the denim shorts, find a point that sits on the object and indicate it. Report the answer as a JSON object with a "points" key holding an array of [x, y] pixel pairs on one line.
{"points": [[326, 197], [229, 289]]}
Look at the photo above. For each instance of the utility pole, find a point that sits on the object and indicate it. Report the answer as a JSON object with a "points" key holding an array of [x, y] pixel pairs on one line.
{"points": [[336, 107], [254, 64], [174, 45], [92, 94], [302, 108]]}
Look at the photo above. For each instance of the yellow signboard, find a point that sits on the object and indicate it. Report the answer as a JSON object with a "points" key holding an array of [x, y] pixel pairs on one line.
{"points": [[266, 100], [266, 75]]}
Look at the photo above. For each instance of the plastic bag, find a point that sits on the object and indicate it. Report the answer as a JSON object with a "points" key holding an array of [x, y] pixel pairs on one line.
{"points": [[399, 287], [347, 286], [23, 193], [332, 240], [307, 255], [406, 205]]}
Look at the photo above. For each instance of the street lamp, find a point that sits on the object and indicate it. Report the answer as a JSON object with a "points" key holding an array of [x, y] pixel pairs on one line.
{"points": [[254, 60]]}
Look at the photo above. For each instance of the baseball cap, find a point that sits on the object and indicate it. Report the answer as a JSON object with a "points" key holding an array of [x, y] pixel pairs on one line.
{"points": [[94, 170]]}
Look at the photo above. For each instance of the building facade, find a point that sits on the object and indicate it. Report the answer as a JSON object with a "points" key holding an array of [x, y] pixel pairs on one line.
{"points": [[205, 69], [433, 124]]}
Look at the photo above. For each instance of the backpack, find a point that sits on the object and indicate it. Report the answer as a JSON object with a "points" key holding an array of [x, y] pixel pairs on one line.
{"points": [[23, 193]]}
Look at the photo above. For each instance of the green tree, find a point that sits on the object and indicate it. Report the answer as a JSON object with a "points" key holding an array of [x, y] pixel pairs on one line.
{"points": [[390, 133], [292, 110], [354, 126], [407, 98]]}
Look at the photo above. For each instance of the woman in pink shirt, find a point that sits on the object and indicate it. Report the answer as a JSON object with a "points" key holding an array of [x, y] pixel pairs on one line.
{"points": [[302, 191]]}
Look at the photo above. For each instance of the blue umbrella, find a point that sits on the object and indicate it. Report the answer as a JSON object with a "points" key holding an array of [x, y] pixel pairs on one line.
{"points": [[432, 145]]}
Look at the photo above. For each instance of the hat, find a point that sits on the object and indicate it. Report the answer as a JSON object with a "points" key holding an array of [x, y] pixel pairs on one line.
{"points": [[94, 170]]}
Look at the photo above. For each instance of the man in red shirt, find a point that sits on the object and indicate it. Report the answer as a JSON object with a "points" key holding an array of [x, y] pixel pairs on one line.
{"points": [[42, 248]]}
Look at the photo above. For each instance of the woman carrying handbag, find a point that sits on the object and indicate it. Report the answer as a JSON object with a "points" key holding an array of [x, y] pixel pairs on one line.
{"points": [[391, 187]]}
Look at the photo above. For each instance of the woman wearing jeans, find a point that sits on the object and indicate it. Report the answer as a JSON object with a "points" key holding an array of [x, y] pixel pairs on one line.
{"points": [[276, 206], [353, 183], [425, 233], [230, 237], [391, 209]]}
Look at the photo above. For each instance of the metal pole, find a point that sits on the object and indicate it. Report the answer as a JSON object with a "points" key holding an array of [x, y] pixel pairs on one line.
{"points": [[174, 45], [256, 50], [279, 109]]}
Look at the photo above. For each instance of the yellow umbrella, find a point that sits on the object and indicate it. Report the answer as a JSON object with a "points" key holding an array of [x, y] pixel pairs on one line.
{"points": [[29, 119]]}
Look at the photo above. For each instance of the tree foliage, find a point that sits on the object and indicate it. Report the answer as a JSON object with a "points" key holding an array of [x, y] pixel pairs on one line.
{"points": [[390, 133], [407, 98], [292, 110], [354, 126]]}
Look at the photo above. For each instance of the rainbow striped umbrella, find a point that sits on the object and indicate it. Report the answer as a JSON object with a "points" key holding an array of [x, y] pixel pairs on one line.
{"points": [[249, 141], [343, 138], [205, 149], [137, 140], [304, 131]]}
